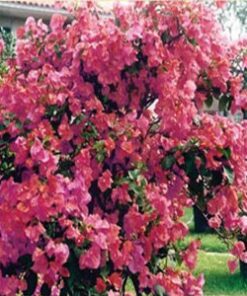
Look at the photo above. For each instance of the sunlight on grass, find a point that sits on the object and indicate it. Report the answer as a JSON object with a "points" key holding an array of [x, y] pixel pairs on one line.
{"points": [[212, 262], [210, 242], [188, 218], [219, 281]]}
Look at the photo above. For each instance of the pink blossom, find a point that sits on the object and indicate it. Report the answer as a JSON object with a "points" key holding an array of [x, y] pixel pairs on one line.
{"points": [[57, 22], [105, 181], [135, 83], [214, 222], [34, 232], [91, 258], [60, 251], [137, 261], [190, 255], [134, 222], [190, 88], [238, 249], [40, 261], [100, 285], [243, 225], [1, 46], [232, 265], [121, 194]]}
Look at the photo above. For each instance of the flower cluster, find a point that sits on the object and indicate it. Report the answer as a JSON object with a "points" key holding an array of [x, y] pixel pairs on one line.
{"points": [[104, 143]]}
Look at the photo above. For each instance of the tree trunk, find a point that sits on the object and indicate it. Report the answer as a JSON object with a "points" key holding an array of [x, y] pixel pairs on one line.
{"points": [[243, 265], [200, 222], [243, 269]]}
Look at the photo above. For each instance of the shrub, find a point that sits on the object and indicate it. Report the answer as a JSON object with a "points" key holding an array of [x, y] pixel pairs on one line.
{"points": [[104, 143]]}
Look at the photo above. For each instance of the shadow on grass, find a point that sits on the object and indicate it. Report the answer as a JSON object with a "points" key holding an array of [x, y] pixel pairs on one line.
{"points": [[225, 284]]}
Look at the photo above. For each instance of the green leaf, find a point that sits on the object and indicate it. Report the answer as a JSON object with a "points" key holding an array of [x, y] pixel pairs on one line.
{"points": [[133, 69], [141, 166], [192, 41], [58, 51], [135, 188], [6, 122], [134, 174], [2, 127], [165, 37], [105, 271], [117, 22], [89, 131], [79, 119], [99, 146], [100, 157], [18, 124], [105, 99], [226, 152], [229, 174], [224, 103], [159, 291], [101, 154], [168, 162], [209, 101], [64, 167]]}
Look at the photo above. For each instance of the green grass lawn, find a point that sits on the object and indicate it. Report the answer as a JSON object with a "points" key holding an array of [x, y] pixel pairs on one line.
{"points": [[188, 218], [219, 281], [209, 242], [212, 262]]}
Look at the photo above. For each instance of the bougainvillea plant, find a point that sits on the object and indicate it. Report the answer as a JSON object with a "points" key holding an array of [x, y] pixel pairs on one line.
{"points": [[104, 143]]}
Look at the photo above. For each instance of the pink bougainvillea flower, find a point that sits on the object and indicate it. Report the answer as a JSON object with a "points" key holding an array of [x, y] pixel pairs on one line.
{"points": [[121, 194], [105, 142], [232, 265], [105, 181], [214, 222], [190, 88], [1, 46], [238, 249], [243, 225], [100, 285], [57, 22], [91, 258], [115, 280], [190, 255]]}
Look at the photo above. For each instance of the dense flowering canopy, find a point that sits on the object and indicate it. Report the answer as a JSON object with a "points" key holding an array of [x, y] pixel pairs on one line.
{"points": [[104, 143]]}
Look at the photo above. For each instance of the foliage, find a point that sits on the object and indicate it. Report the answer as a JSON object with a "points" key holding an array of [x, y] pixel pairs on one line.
{"points": [[7, 45], [105, 144]]}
